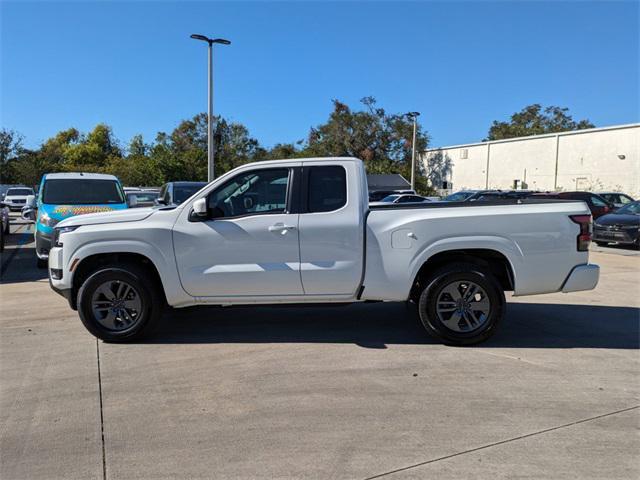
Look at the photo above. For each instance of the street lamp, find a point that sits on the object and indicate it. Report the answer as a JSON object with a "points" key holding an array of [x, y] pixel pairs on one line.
{"points": [[414, 116], [210, 154]]}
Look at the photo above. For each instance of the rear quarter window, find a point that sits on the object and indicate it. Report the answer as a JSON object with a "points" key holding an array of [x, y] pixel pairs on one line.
{"points": [[326, 188]]}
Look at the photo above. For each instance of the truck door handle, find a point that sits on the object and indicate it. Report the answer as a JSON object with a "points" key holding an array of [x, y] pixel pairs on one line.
{"points": [[281, 227]]}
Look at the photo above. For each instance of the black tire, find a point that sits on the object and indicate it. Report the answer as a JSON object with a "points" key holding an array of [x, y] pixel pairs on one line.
{"points": [[42, 262], [455, 276], [152, 303], [602, 244]]}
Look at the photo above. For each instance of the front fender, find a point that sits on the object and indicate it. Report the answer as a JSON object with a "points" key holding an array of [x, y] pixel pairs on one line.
{"points": [[164, 264]]}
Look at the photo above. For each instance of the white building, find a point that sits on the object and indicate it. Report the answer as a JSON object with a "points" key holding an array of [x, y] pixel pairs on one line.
{"points": [[597, 159]]}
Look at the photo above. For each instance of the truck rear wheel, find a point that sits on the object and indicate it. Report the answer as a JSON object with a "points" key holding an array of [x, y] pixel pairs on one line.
{"points": [[119, 303], [461, 304]]}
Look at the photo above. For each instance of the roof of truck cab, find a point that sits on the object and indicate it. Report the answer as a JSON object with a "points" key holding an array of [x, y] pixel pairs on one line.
{"points": [[312, 159], [78, 175]]}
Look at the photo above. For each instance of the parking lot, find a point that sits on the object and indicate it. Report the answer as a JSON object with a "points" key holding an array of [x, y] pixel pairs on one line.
{"points": [[337, 392]]}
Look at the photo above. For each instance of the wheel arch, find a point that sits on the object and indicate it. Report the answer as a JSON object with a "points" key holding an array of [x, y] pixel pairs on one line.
{"points": [[91, 263], [497, 262]]}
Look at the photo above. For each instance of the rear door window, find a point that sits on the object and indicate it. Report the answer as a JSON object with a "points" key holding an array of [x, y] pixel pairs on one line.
{"points": [[326, 188], [597, 201]]}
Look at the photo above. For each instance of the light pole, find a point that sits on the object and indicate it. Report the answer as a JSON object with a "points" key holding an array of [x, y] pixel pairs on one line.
{"points": [[414, 116], [210, 150]]}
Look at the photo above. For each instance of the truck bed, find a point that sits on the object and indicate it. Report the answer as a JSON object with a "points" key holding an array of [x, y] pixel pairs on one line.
{"points": [[535, 236]]}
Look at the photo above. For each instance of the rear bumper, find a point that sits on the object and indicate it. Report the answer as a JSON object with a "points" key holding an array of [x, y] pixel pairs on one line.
{"points": [[582, 277]]}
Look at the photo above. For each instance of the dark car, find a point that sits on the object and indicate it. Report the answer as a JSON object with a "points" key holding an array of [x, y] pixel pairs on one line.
{"points": [[616, 198], [621, 226], [174, 193], [597, 204], [486, 196]]}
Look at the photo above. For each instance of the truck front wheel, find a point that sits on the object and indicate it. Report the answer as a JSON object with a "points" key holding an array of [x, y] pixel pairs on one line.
{"points": [[461, 304], [119, 303]]}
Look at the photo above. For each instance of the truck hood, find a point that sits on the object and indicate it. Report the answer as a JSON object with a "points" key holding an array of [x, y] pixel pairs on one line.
{"points": [[127, 215]]}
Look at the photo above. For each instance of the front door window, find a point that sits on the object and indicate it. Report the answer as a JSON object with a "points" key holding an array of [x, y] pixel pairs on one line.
{"points": [[257, 192]]}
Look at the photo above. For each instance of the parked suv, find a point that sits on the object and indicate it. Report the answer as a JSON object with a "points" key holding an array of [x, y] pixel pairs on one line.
{"points": [[174, 193], [16, 197], [64, 195]]}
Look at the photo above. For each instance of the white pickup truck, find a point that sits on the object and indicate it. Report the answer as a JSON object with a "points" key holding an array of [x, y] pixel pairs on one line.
{"points": [[302, 231]]}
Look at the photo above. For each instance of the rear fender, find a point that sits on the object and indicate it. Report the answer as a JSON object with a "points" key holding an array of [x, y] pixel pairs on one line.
{"points": [[508, 248]]}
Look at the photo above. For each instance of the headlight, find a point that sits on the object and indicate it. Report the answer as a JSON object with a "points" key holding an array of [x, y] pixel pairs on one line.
{"points": [[59, 231], [47, 221]]}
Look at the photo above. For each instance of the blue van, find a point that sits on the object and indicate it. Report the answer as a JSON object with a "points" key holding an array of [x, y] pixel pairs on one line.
{"points": [[64, 195]]}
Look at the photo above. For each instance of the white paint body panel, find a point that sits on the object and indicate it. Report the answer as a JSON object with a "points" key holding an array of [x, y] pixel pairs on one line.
{"points": [[323, 258]]}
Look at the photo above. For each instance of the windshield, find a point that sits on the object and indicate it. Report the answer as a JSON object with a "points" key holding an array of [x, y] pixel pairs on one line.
{"points": [[78, 191], [458, 196], [616, 198], [390, 198], [630, 209], [182, 192], [19, 191]]}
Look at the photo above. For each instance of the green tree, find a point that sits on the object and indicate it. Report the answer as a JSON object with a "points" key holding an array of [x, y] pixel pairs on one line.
{"points": [[382, 140], [534, 120], [137, 168], [93, 152], [281, 151], [10, 149]]}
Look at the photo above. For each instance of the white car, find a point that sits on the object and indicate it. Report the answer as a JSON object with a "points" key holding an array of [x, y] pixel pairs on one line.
{"points": [[16, 197], [302, 231], [401, 198]]}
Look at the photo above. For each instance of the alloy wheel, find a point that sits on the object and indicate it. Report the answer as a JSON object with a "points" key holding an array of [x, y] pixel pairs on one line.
{"points": [[116, 305], [463, 306]]}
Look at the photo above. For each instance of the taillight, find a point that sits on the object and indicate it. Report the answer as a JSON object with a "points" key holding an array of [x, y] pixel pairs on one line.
{"points": [[584, 237]]}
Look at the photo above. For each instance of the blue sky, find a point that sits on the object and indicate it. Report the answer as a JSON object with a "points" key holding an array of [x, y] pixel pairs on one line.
{"points": [[133, 66]]}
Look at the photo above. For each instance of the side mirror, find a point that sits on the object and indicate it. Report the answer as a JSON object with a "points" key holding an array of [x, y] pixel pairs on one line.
{"points": [[199, 210], [132, 201], [248, 202], [28, 214], [31, 201]]}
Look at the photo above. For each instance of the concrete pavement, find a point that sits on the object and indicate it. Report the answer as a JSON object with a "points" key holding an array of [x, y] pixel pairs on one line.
{"points": [[340, 392]]}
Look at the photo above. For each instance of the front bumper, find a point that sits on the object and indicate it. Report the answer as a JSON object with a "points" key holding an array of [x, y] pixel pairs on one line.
{"points": [[62, 284], [43, 244], [604, 235], [582, 277]]}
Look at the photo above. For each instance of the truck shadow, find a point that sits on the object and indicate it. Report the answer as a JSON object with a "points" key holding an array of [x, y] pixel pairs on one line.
{"points": [[527, 325]]}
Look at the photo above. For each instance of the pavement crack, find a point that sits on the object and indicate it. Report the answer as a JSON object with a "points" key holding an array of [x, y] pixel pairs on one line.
{"points": [[501, 442], [104, 457]]}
